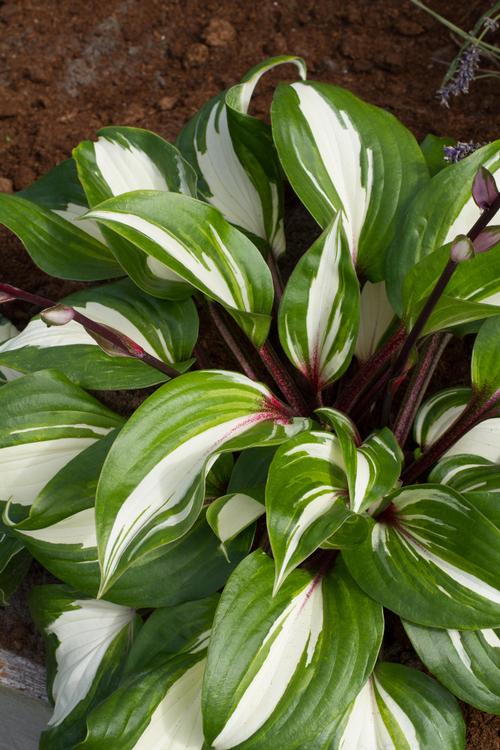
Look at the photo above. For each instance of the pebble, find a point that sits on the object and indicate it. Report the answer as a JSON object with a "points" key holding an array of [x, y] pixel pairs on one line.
{"points": [[6, 185], [196, 54], [219, 33], [167, 103]]}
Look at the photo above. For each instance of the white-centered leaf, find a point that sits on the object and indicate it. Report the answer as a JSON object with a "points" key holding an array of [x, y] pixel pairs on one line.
{"points": [[345, 156], [165, 329], [235, 159], [319, 311], [400, 708], [125, 159], [152, 484], [45, 421], [194, 240], [278, 670], [376, 315], [415, 562], [230, 514], [466, 662], [306, 498]]}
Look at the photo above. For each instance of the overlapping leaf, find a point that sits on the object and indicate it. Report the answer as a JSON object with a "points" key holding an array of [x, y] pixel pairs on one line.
{"points": [[416, 563], [230, 514], [44, 217], [466, 662], [125, 159], [342, 155], [485, 360], [192, 239], [166, 330], [236, 162], [400, 709], [376, 315], [87, 640], [319, 311], [45, 421], [440, 211], [152, 483], [278, 669]]}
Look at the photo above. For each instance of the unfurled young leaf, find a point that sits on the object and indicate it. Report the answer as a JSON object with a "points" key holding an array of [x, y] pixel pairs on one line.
{"points": [[278, 668], [376, 315], [319, 312], [236, 161], [87, 641], [485, 360], [152, 484], [193, 240], [44, 217], [165, 329], [345, 156], [306, 498], [45, 421], [400, 708], [415, 561], [467, 662]]}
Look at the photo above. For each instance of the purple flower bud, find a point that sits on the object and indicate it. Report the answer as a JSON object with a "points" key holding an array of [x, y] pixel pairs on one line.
{"points": [[117, 345], [484, 188], [488, 238], [461, 249], [58, 315]]}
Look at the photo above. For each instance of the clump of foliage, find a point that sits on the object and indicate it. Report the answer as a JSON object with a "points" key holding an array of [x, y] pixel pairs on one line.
{"points": [[312, 501]]}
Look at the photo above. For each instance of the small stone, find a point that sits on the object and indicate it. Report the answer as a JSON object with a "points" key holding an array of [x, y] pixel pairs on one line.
{"points": [[167, 103], [6, 185], [197, 54], [219, 33]]}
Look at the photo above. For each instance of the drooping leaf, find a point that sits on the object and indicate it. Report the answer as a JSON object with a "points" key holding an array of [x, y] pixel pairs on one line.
{"points": [[192, 239], [152, 483], [441, 210], [306, 498], [466, 662], [319, 311], [167, 330], [415, 561], [125, 159], [344, 155], [86, 640], [485, 360], [376, 315], [44, 218], [60, 533], [278, 667], [400, 708], [236, 161], [45, 421]]}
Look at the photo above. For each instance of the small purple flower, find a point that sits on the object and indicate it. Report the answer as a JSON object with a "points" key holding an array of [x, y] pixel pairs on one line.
{"points": [[459, 84], [491, 24], [454, 154]]}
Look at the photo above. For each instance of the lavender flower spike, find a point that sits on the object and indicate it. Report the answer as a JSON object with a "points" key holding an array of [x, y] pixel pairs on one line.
{"points": [[467, 69], [454, 154]]}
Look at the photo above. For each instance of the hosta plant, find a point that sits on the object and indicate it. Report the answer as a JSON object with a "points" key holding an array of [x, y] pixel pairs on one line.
{"points": [[227, 555]]}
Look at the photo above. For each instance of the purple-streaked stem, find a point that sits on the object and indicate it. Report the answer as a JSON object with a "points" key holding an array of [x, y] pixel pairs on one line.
{"points": [[283, 379], [231, 342]]}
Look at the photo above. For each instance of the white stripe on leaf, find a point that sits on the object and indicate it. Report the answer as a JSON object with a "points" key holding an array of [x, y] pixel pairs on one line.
{"points": [[376, 314], [73, 213], [78, 529], [125, 167]]}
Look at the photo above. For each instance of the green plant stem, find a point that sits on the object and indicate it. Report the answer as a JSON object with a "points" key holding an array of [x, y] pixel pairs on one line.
{"points": [[283, 379], [419, 382], [231, 342], [114, 338], [476, 411], [457, 30], [369, 372]]}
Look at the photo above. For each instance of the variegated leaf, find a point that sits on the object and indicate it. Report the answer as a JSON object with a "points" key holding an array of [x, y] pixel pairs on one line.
{"points": [[45, 421], [192, 239], [125, 159], [400, 708], [306, 498], [466, 662], [235, 159], [376, 315], [485, 360], [152, 483], [416, 563], [441, 211], [44, 217], [230, 514], [167, 330], [87, 640], [319, 311], [344, 156], [278, 670], [60, 533], [7, 329]]}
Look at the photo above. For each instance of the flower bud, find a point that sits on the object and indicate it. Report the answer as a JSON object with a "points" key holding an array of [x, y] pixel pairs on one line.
{"points": [[58, 315], [461, 249], [484, 188], [488, 238]]}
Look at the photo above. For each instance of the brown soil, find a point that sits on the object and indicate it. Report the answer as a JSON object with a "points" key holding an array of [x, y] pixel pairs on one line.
{"points": [[67, 69]]}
